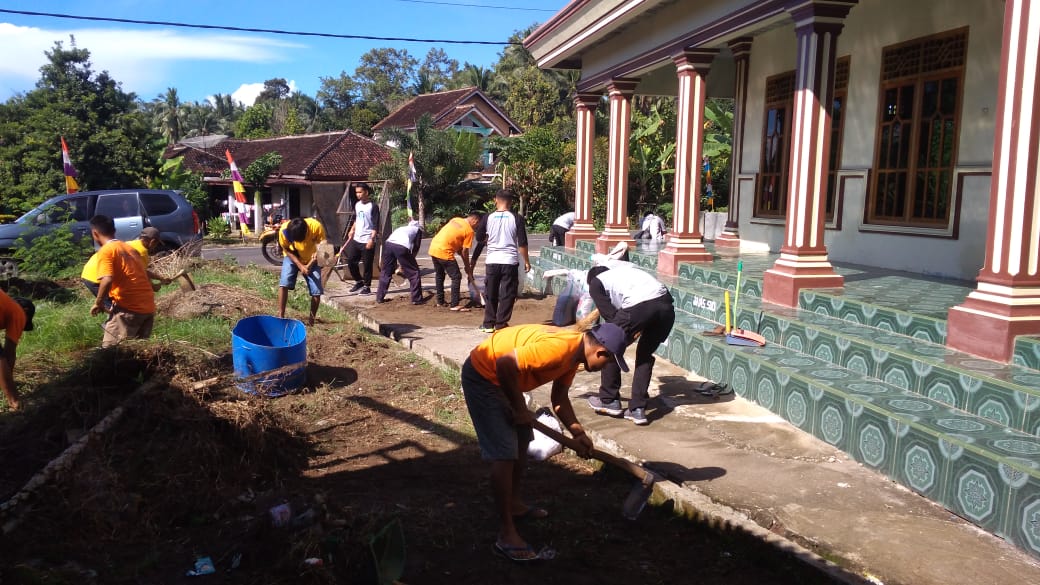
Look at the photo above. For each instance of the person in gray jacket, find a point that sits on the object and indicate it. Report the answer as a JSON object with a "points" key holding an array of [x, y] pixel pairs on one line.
{"points": [[641, 305]]}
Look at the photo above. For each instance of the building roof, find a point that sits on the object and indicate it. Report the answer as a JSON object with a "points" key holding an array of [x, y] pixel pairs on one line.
{"points": [[340, 155], [445, 107]]}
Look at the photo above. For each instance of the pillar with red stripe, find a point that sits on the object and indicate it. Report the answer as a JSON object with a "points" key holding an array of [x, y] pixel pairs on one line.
{"points": [[803, 261], [741, 49], [686, 243], [585, 105], [1006, 302], [619, 92]]}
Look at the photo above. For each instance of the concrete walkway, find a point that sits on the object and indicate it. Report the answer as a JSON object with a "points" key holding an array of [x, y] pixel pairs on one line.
{"points": [[738, 464]]}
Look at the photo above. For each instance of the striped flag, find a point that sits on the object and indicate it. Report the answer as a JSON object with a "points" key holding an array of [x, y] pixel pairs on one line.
{"points": [[71, 186], [411, 179], [236, 178]]}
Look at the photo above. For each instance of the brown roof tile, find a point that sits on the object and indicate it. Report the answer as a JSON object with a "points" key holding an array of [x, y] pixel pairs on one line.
{"points": [[342, 155], [435, 104]]}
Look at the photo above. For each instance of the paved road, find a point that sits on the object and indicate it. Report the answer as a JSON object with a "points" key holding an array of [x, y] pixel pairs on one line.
{"points": [[251, 254]]}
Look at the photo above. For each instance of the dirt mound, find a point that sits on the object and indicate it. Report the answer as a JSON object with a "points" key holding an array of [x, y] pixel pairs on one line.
{"points": [[212, 300]]}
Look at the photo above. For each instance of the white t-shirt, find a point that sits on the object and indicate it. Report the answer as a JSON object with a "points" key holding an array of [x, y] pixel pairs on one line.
{"points": [[654, 226], [566, 220], [629, 285], [365, 221], [404, 236]]}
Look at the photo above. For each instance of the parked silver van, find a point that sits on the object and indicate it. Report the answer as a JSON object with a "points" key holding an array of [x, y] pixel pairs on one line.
{"points": [[131, 209]]}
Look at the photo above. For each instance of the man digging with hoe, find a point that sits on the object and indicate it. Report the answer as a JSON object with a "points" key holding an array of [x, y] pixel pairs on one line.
{"points": [[498, 372]]}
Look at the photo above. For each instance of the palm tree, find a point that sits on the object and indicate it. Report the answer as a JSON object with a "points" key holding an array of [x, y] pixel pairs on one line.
{"points": [[168, 112], [477, 76], [442, 160]]}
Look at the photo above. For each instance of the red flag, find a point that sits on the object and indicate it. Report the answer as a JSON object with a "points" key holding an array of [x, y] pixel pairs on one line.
{"points": [[71, 186], [236, 179]]}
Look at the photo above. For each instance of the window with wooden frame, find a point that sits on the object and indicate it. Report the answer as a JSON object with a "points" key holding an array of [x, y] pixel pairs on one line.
{"points": [[838, 105], [771, 194], [922, 84]]}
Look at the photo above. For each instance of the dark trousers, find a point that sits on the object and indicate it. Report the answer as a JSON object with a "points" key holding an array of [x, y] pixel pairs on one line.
{"points": [[357, 252], [556, 235], [654, 320], [501, 283], [450, 268], [394, 254]]}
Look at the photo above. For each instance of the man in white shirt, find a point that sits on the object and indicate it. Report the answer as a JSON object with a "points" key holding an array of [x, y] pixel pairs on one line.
{"points": [[560, 227], [637, 302], [362, 238], [505, 235], [652, 227], [400, 249]]}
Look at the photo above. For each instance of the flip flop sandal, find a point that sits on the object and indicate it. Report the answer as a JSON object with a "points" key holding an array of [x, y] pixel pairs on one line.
{"points": [[714, 390], [460, 309], [716, 332], [523, 554]]}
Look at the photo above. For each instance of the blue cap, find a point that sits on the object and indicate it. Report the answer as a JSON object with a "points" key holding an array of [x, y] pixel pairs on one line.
{"points": [[612, 337]]}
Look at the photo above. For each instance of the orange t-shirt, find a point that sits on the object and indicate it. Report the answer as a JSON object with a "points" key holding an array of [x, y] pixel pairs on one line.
{"points": [[131, 289], [543, 354], [12, 318], [456, 235]]}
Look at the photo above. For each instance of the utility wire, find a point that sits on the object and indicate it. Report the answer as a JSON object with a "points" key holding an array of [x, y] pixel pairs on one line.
{"points": [[479, 5], [254, 30]]}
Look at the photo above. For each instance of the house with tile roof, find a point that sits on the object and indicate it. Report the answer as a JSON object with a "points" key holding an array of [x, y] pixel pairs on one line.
{"points": [[316, 170], [467, 110]]}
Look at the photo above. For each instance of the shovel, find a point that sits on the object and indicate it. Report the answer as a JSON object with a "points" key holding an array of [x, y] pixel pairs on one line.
{"points": [[640, 493], [184, 281]]}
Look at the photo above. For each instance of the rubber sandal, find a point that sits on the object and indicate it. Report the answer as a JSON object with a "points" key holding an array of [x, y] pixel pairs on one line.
{"points": [[523, 554], [716, 332], [714, 390], [460, 309]]}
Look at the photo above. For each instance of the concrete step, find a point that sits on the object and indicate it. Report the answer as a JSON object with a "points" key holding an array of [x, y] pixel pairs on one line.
{"points": [[877, 396], [1003, 393]]}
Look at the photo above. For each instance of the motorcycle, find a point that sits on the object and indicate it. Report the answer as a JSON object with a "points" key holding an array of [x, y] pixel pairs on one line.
{"points": [[269, 245]]}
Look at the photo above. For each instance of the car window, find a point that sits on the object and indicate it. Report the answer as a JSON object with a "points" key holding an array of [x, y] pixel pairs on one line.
{"points": [[73, 209], [118, 205], [158, 203]]}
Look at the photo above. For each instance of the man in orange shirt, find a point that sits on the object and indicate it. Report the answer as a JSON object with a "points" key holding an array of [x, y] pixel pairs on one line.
{"points": [[498, 372], [16, 315], [122, 278], [456, 237]]}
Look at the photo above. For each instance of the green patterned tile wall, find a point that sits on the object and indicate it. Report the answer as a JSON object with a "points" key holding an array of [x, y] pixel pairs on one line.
{"points": [[1009, 394], [1027, 352], [963, 432]]}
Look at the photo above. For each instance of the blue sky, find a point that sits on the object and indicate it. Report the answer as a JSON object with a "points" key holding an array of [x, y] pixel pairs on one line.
{"points": [[147, 58]]}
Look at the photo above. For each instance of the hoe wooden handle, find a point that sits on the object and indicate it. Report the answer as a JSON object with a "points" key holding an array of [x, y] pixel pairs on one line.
{"points": [[641, 474]]}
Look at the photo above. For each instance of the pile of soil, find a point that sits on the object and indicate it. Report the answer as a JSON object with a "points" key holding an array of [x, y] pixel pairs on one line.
{"points": [[212, 300], [380, 439]]}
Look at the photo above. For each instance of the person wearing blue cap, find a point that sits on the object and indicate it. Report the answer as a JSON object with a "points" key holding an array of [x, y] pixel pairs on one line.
{"points": [[498, 372]]}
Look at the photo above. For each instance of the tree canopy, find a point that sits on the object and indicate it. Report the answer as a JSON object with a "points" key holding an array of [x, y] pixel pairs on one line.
{"points": [[111, 141]]}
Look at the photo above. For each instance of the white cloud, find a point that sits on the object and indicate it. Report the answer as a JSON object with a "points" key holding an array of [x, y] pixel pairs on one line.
{"points": [[248, 92], [139, 58]]}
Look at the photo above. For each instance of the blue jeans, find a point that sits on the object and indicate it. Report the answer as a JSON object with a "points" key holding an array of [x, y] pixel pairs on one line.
{"points": [[290, 271]]}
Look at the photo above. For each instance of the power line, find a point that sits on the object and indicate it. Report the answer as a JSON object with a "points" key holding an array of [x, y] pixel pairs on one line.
{"points": [[246, 29], [479, 5]]}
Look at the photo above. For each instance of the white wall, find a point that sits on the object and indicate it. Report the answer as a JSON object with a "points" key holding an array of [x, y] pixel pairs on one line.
{"points": [[871, 26]]}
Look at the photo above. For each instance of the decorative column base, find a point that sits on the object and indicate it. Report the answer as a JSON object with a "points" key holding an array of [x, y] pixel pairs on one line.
{"points": [[729, 238], [681, 250], [610, 238], [579, 232], [988, 329], [782, 283]]}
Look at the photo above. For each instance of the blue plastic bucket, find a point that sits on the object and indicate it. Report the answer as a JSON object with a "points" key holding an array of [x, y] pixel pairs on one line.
{"points": [[263, 343]]}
